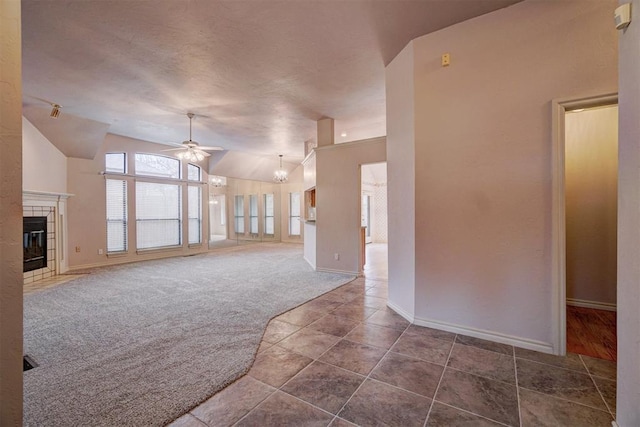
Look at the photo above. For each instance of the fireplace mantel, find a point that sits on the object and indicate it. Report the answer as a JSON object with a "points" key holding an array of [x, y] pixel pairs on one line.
{"points": [[32, 195]]}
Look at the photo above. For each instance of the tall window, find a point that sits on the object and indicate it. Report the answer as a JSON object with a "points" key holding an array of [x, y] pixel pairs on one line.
{"points": [[269, 222], [194, 208], [116, 215], [158, 215], [253, 214], [239, 214], [294, 214], [195, 213]]}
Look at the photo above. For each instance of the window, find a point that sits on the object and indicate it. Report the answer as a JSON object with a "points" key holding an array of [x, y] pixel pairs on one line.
{"points": [[158, 215], [195, 213], [269, 222], [194, 173], [116, 215], [294, 214], [157, 166], [115, 162], [253, 214], [223, 211], [239, 214]]}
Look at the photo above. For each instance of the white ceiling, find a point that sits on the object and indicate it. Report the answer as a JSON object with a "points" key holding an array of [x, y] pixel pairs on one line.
{"points": [[258, 74]]}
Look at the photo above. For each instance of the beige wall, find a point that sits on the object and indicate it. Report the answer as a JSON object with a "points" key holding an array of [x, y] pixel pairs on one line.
{"points": [[10, 216], [591, 204], [483, 162], [628, 410], [87, 208], [44, 167], [338, 201], [401, 183]]}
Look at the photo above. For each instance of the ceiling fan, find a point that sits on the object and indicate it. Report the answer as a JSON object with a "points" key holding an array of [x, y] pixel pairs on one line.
{"points": [[190, 150]]}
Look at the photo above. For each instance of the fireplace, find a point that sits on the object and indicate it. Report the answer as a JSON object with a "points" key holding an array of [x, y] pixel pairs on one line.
{"points": [[34, 242]]}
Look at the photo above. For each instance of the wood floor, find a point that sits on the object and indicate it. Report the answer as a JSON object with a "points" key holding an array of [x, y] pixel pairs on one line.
{"points": [[592, 332]]}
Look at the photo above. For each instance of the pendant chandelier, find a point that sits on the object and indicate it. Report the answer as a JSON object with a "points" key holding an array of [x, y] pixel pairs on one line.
{"points": [[280, 175]]}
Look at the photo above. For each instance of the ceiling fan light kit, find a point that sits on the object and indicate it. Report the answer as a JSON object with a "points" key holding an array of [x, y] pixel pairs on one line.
{"points": [[190, 150]]}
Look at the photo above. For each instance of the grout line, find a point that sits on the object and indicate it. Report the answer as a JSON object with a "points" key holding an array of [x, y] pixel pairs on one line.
{"points": [[515, 369], [586, 372], [564, 399], [372, 369], [433, 399], [317, 359], [472, 413], [597, 388]]}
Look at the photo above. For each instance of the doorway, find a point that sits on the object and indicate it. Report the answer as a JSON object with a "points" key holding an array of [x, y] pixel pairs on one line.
{"points": [[373, 219], [217, 218], [584, 250]]}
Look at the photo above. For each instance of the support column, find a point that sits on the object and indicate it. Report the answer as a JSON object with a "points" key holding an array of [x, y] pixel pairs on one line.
{"points": [[10, 215], [325, 132]]}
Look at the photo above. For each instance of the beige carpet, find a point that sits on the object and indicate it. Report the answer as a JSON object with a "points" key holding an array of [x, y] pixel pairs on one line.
{"points": [[141, 344]]}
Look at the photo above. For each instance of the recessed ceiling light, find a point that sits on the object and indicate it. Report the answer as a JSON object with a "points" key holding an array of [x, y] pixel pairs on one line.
{"points": [[343, 134]]}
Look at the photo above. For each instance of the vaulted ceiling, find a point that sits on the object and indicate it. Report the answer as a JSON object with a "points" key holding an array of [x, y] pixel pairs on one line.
{"points": [[257, 74]]}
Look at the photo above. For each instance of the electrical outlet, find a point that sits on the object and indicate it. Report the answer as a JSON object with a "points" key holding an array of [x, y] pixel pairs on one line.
{"points": [[100, 252], [446, 59], [77, 248], [336, 256]]}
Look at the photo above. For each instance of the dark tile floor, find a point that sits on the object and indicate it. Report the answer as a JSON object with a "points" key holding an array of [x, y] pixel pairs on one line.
{"points": [[345, 358]]}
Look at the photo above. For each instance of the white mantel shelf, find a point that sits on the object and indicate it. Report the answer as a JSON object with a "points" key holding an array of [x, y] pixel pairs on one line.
{"points": [[44, 195]]}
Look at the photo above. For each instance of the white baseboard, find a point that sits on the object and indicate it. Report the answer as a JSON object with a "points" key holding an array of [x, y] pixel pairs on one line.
{"points": [[408, 316], [328, 270], [487, 335], [313, 265], [591, 304]]}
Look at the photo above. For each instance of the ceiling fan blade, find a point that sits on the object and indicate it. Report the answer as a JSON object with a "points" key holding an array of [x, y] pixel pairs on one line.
{"points": [[204, 148], [174, 149], [204, 153]]}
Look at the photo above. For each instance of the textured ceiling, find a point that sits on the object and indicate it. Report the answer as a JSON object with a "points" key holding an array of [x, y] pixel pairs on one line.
{"points": [[257, 73]]}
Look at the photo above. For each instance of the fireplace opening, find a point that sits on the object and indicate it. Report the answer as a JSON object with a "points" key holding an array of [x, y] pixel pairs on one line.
{"points": [[34, 240]]}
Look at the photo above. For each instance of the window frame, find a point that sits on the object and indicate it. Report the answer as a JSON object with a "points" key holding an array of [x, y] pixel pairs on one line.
{"points": [[293, 217], [267, 216], [124, 220], [238, 219]]}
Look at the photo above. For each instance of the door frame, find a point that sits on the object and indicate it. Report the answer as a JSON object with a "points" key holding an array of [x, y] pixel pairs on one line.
{"points": [[558, 220]]}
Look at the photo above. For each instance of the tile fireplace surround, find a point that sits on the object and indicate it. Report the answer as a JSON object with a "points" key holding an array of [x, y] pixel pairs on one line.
{"points": [[52, 206]]}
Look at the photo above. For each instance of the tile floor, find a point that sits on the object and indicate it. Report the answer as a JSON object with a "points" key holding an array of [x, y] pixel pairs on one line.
{"points": [[346, 359]]}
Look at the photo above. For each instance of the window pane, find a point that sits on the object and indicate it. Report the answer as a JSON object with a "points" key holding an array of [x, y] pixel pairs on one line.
{"points": [[269, 222], [195, 214], [116, 215], [294, 214], [239, 214], [193, 172], [253, 213], [115, 162], [158, 166], [158, 215]]}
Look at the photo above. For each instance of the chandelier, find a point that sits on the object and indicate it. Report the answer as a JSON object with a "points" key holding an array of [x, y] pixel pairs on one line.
{"points": [[280, 175], [217, 181]]}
